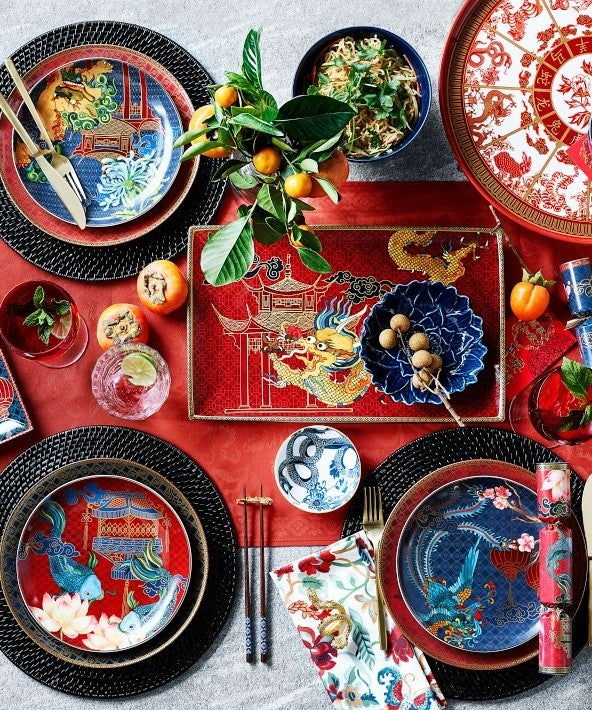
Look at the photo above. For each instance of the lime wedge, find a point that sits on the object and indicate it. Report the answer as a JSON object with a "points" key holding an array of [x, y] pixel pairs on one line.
{"points": [[140, 368], [62, 326]]}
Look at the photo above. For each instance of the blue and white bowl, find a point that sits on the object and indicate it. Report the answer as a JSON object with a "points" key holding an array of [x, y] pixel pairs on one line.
{"points": [[454, 331], [317, 469]]}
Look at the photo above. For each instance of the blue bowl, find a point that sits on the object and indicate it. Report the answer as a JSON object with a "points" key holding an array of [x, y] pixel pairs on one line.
{"points": [[307, 68], [454, 330]]}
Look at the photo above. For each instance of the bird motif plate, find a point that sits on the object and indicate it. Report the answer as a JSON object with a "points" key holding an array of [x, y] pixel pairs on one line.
{"points": [[516, 96], [117, 124], [459, 564], [103, 563]]}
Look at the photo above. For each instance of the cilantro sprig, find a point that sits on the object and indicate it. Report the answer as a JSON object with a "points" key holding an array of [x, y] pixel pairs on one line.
{"points": [[45, 314]]}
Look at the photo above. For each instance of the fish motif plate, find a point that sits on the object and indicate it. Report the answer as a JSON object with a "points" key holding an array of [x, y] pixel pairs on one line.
{"points": [[454, 331], [317, 469], [116, 114], [103, 563], [516, 94], [459, 564]]}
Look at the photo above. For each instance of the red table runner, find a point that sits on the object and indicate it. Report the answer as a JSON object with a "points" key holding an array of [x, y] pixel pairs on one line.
{"points": [[236, 452]]}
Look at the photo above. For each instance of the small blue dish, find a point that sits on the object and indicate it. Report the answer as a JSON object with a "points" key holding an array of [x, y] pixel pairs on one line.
{"points": [[454, 331], [317, 469], [306, 71]]}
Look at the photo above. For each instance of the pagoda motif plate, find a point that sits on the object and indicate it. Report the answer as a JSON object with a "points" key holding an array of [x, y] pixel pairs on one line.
{"points": [[115, 113], [103, 563], [459, 564], [516, 94]]}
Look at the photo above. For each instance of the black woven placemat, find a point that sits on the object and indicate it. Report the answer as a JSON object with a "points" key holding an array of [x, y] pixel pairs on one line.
{"points": [[408, 465], [132, 445], [103, 263]]}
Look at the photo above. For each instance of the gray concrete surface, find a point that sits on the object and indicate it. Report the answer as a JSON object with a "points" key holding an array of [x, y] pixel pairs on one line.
{"points": [[213, 31]]}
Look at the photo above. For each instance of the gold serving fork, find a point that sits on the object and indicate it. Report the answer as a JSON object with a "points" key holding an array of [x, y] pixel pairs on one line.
{"points": [[59, 162], [373, 522]]}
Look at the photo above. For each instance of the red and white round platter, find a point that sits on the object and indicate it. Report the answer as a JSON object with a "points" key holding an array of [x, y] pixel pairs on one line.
{"points": [[516, 97]]}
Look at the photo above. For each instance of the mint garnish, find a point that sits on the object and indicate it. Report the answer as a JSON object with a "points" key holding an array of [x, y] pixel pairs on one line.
{"points": [[44, 316], [576, 377]]}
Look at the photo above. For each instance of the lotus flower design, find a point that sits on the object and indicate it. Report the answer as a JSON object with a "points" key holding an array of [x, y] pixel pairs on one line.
{"points": [[454, 331]]}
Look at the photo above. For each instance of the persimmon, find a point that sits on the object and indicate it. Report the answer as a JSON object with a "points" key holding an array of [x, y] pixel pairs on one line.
{"points": [[335, 169], [122, 322], [162, 287], [530, 297]]}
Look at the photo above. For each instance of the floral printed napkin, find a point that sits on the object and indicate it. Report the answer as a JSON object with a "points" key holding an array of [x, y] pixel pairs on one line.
{"points": [[331, 598]]}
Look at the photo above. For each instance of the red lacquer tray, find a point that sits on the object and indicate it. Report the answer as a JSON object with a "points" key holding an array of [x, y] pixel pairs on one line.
{"points": [[239, 334], [516, 93]]}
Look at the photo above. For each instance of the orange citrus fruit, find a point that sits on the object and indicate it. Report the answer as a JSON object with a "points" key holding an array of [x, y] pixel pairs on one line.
{"points": [[335, 169], [198, 123], [226, 96], [267, 160], [298, 185]]}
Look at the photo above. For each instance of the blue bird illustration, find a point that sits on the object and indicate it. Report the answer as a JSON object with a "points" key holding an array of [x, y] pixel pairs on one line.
{"points": [[448, 603], [68, 574], [146, 619], [558, 551]]}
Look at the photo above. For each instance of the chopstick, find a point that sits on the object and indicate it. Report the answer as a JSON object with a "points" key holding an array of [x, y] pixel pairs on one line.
{"points": [[262, 602], [247, 574], [262, 501]]}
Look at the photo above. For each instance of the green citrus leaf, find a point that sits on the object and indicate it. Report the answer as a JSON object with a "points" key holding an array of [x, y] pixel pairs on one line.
{"points": [[227, 168], [229, 252], [308, 239], [314, 261], [252, 59], [329, 189], [313, 118], [247, 120], [270, 199]]}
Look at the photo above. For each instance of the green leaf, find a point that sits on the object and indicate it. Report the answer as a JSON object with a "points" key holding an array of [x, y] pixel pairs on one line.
{"points": [[321, 147], [252, 58], [243, 181], [314, 261], [309, 165], [576, 377], [361, 637], [190, 136], [227, 168], [38, 297], [44, 331], [329, 188], [266, 229], [313, 118], [33, 318], [247, 120], [61, 307], [308, 239], [200, 148], [267, 104], [271, 200], [228, 254], [282, 145], [242, 84]]}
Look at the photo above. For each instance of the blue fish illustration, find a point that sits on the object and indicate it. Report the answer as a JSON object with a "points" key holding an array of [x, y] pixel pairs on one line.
{"points": [[146, 619], [68, 574]]}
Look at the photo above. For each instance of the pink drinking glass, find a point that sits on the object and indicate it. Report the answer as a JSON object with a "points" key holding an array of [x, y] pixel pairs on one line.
{"points": [[68, 339]]}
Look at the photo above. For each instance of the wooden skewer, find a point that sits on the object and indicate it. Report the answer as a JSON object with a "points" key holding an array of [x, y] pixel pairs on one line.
{"points": [[262, 604], [248, 634]]}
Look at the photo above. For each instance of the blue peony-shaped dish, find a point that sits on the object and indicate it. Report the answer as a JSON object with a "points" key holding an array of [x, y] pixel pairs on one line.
{"points": [[454, 331]]}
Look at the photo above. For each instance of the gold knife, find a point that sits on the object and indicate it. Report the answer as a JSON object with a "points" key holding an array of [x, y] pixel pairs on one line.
{"points": [[587, 516], [59, 183]]}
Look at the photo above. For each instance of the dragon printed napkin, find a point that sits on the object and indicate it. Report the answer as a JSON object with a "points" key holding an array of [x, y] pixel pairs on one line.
{"points": [[331, 598]]}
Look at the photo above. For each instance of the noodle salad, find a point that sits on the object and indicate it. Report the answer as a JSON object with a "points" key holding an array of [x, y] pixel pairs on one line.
{"points": [[383, 88]]}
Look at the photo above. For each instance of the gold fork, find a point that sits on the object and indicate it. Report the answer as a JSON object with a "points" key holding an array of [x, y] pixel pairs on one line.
{"points": [[373, 522], [59, 162]]}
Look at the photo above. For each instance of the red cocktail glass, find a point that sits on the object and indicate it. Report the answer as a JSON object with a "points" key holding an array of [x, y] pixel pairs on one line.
{"points": [[69, 335]]}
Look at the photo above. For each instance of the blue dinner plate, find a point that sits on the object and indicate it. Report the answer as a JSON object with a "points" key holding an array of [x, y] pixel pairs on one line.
{"points": [[467, 563], [117, 124]]}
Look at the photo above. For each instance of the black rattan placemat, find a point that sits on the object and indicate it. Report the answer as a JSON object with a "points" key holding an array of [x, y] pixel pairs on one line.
{"points": [[132, 445], [103, 263], [408, 465]]}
